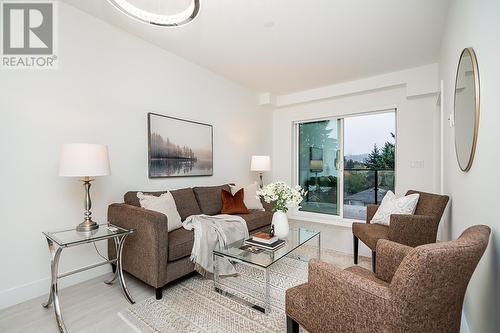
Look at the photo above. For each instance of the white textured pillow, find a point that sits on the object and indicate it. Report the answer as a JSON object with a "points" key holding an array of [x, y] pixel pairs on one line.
{"points": [[392, 205], [164, 204], [250, 198]]}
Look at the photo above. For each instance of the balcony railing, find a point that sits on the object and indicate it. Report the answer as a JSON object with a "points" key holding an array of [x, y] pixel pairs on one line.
{"points": [[363, 187]]}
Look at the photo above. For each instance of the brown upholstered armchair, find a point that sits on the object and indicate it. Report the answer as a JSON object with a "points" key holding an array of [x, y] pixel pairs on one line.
{"points": [[412, 230], [414, 290]]}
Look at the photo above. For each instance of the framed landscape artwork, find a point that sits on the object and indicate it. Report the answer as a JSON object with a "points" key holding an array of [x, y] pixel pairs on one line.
{"points": [[179, 148]]}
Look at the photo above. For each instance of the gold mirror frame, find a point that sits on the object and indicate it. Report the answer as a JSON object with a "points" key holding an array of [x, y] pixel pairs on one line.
{"points": [[475, 69]]}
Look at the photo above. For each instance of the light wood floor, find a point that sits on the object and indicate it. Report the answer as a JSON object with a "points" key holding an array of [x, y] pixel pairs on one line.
{"points": [[90, 306]]}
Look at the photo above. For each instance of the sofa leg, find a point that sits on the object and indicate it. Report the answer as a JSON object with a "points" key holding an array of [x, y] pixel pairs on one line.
{"points": [[356, 245], [113, 268], [159, 293], [291, 325], [374, 260]]}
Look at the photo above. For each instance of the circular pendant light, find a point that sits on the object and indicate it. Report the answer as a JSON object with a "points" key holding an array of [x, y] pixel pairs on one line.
{"points": [[165, 20]]}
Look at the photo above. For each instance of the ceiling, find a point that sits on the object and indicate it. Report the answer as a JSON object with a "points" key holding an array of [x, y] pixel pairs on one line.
{"points": [[283, 46]]}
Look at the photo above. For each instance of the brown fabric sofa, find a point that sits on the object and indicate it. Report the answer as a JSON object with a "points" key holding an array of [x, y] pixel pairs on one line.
{"points": [[414, 289], [412, 230], [156, 256]]}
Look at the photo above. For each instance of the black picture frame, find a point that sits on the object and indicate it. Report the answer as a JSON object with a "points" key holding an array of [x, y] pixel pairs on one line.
{"points": [[164, 166]]}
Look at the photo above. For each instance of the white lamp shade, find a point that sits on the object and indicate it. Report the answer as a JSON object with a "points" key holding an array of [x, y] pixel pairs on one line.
{"points": [[260, 163], [84, 160], [316, 165]]}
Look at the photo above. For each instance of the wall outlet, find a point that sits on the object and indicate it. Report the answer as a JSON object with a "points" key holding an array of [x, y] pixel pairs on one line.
{"points": [[417, 164]]}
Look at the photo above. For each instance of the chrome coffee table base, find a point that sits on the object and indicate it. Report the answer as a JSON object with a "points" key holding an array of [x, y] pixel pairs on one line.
{"points": [[261, 260], [55, 254], [219, 287]]}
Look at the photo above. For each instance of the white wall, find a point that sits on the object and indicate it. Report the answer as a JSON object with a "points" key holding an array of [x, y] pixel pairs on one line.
{"points": [[106, 83], [416, 116], [476, 23]]}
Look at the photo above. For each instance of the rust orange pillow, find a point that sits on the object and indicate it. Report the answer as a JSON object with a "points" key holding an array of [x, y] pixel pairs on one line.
{"points": [[233, 204]]}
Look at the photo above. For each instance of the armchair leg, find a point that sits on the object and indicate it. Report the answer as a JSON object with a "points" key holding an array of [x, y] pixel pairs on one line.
{"points": [[356, 245], [374, 260], [159, 293], [113, 268], [291, 325]]}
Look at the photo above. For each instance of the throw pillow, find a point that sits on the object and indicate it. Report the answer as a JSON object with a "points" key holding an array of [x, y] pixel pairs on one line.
{"points": [[233, 204], [393, 205], [251, 200], [164, 204]]}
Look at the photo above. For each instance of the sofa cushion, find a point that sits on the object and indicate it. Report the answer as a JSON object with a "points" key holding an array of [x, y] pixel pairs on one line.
{"points": [[130, 198], [186, 203], [250, 198], [180, 244], [257, 219], [164, 204], [210, 198], [184, 198]]}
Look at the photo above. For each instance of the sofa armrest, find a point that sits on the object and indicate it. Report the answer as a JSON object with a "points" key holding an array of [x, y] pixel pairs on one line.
{"points": [[145, 251], [389, 257], [412, 230], [342, 298], [370, 212]]}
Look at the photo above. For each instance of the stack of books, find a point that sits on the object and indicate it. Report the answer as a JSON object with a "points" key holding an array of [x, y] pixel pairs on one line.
{"points": [[265, 240]]}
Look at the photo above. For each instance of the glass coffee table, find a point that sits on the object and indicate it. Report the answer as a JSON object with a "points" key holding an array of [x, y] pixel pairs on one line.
{"points": [[263, 260]]}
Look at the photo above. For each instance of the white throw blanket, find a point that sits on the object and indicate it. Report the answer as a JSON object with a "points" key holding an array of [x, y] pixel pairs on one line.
{"points": [[214, 232]]}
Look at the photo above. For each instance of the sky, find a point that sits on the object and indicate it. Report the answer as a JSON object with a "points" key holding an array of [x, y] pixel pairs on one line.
{"points": [[361, 132]]}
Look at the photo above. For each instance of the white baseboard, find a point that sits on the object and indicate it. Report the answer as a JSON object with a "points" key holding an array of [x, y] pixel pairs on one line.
{"points": [[24, 292]]}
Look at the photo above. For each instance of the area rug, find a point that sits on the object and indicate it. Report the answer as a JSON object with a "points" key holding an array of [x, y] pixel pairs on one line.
{"points": [[193, 305]]}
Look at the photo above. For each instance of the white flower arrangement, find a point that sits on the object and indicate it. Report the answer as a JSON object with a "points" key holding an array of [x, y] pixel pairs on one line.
{"points": [[282, 195]]}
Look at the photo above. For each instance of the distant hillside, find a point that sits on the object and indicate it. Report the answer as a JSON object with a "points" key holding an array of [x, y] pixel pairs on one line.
{"points": [[357, 158]]}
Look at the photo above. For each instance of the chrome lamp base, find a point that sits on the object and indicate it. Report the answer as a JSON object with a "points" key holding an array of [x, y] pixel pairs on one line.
{"points": [[87, 226]]}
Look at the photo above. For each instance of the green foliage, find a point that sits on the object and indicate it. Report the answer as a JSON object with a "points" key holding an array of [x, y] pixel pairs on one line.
{"points": [[314, 134], [387, 156], [374, 160], [355, 182], [380, 159]]}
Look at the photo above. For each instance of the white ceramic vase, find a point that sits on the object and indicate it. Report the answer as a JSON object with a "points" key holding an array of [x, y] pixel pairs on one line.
{"points": [[280, 223]]}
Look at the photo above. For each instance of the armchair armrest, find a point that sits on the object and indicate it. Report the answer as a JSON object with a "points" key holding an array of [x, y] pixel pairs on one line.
{"points": [[389, 257], [145, 251], [412, 230], [342, 298], [371, 209]]}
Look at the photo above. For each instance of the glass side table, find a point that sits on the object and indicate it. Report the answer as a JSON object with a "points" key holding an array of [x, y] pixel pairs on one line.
{"points": [[69, 238]]}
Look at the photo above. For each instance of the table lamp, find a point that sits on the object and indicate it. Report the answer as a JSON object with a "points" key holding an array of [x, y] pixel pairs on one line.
{"points": [[260, 164], [85, 161], [316, 166]]}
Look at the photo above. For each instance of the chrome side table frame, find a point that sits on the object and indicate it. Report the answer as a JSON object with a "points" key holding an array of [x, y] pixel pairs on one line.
{"points": [[55, 255]]}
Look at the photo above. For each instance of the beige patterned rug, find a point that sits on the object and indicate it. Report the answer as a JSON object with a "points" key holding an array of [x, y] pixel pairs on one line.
{"points": [[192, 305]]}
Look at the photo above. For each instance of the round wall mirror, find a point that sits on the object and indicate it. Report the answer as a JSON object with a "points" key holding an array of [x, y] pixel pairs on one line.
{"points": [[466, 109]]}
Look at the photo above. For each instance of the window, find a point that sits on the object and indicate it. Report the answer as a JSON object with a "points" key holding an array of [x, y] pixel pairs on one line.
{"points": [[345, 164]]}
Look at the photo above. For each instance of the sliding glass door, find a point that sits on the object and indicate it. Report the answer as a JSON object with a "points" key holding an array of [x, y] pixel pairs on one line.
{"points": [[345, 164], [318, 165]]}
